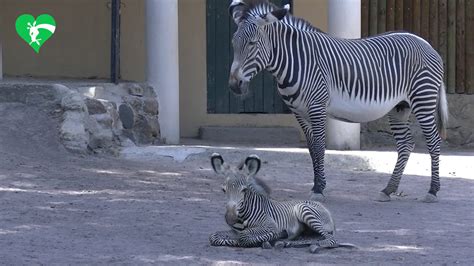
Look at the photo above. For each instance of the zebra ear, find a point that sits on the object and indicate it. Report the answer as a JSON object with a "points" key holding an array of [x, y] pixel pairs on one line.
{"points": [[273, 16], [236, 10], [217, 163], [253, 164]]}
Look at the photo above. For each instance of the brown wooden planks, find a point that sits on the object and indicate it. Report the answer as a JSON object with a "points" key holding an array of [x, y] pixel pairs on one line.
{"points": [[365, 18], [434, 23], [443, 33], [382, 12], [443, 23], [469, 16], [408, 15], [460, 46], [416, 17], [425, 20], [451, 62], [390, 17], [399, 14], [373, 17]]}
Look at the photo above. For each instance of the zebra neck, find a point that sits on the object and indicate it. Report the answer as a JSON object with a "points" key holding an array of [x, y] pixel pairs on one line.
{"points": [[254, 205], [290, 48]]}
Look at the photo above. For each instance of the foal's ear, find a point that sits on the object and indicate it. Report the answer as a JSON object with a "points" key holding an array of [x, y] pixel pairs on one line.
{"points": [[236, 10], [273, 16], [253, 164], [217, 163]]}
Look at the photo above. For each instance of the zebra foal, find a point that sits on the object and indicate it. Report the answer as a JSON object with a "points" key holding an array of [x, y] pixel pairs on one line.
{"points": [[257, 220]]}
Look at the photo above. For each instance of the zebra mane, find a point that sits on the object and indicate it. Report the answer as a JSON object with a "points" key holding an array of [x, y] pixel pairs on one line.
{"points": [[261, 7], [256, 184], [260, 187]]}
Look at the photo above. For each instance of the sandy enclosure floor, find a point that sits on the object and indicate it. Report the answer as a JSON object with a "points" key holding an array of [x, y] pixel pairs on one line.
{"points": [[56, 208]]}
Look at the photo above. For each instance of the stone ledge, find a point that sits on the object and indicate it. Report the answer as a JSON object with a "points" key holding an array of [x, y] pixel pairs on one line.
{"points": [[251, 135]]}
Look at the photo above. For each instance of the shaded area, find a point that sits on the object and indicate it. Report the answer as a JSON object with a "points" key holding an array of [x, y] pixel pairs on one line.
{"points": [[64, 209]]}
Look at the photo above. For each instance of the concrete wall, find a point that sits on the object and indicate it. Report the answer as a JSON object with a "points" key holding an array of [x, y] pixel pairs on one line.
{"points": [[80, 47], [460, 127], [193, 84]]}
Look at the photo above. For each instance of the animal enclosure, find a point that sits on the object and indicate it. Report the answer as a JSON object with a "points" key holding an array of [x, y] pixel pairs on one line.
{"points": [[446, 24]]}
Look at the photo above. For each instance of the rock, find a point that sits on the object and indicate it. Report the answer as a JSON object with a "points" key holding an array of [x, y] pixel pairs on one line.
{"points": [[150, 106], [73, 133], [95, 106], [126, 142], [142, 130], [154, 126], [109, 105], [73, 102], [135, 89], [100, 137], [134, 102], [93, 91], [60, 91], [88, 91], [127, 116], [128, 133], [461, 122], [148, 91], [111, 108], [104, 120]]}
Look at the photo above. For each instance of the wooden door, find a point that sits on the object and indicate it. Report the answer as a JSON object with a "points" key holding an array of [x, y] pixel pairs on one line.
{"points": [[263, 96]]}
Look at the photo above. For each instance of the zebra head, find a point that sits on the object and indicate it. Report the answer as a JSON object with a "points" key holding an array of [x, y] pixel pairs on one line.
{"points": [[238, 182], [251, 44]]}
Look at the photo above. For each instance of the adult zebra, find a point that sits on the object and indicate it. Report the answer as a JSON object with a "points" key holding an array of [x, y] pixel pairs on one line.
{"points": [[353, 80]]}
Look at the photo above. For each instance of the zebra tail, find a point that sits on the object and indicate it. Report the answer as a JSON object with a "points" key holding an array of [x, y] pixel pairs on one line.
{"points": [[348, 245], [442, 112]]}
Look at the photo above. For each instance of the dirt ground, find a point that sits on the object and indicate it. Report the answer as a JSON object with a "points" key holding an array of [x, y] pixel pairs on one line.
{"points": [[58, 208]]}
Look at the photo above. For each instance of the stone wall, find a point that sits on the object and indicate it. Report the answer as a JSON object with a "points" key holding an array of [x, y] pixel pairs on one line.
{"points": [[112, 116], [460, 126], [94, 118]]}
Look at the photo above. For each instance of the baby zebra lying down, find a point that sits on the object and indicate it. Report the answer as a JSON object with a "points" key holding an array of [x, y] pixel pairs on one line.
{"points": [[257, 220]]}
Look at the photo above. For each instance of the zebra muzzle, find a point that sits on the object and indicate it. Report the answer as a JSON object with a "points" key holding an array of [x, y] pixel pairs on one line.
{"points": [[238, 87], [231, 218]]}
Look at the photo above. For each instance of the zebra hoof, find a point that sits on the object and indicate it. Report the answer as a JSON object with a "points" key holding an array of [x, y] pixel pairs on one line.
{"points": [[279, 245], [317, 197], [314, 249], [266, 245], [382, 197], [430, 198]]}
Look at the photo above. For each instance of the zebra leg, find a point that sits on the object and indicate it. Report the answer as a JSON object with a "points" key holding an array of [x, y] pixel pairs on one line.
{"points": [[258, 236], [317, 222], [433, 140], [314, 129], [297, 243], [312, 243], [249, 237], [318, 148], [400, 127], [224, 238]]}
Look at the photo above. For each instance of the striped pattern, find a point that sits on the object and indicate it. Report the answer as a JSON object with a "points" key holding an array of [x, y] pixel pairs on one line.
{"points": [[352, 80], [258, 220]]}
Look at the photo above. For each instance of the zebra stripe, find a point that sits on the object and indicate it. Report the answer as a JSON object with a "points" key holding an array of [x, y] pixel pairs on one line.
{"points": [[352, 80], [258, 220]]}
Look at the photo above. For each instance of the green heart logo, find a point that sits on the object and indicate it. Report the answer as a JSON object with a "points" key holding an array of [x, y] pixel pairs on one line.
{"points": [[35, 32]]}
